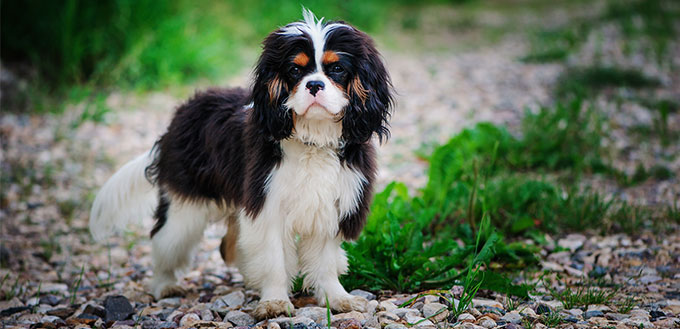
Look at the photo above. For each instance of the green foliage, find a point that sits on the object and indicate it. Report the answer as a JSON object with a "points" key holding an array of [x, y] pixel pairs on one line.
{"points": [[587, 81], [582, 297]]}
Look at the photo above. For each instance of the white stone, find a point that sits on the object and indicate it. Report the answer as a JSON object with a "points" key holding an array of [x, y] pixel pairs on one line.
{"points": [[188, 319], [486, 302]]}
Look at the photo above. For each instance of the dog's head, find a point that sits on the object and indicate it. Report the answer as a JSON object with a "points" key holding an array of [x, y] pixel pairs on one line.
{"points": [[317, 71]]}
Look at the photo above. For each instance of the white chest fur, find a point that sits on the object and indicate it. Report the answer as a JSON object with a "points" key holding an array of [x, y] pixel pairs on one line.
{"points": [[312, 190]]}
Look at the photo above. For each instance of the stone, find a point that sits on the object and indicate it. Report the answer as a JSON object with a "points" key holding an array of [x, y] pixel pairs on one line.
{"points": [[371, 306], [401, 312], [171, 302], [273, 325], [372, 322], [647, 279], [512, 317], [49, 299], [577, 312], [117, 308], [303, 320], [416, 319], [7, 304], [362, 293], [616, 316], [239, 318], [572, 242], [467, 325], [539, 325], [87, 319], [318, 314], [430, 311], [188, 319], [346, 324], [527, 311], [54, 287], [385, 317], [592, 314], [638, 312], [95, 310], [349, 315], [234, 299], [656, 314], [638, 322], [466, 317], [602, 308], [486, 322], [388, 306], [62, 312], [395, 326], [598, 272], [486, 302]]}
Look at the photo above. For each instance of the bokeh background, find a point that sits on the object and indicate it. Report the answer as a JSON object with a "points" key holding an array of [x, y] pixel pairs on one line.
{"points": [[537, 118]]}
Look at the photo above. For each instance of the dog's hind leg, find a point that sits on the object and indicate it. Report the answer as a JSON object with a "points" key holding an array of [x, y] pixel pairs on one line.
{"points": [[179, 228], [228, 245]]}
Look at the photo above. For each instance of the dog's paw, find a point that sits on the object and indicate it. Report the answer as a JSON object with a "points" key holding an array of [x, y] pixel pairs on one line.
{"points": [[272, 308], [348, 303], [170, 291]]}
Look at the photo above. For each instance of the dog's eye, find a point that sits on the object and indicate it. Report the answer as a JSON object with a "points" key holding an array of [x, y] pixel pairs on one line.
{"points": [[337, 69], [294, 71]]}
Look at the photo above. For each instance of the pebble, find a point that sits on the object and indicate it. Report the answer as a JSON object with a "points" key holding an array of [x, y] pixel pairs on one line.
{"points": [[647, 279], [591, 314], [486, 302], [172, 302], [466, 317], [572, 242], [429, 311], [486, 322], [401, 312], [395, 326], [117, 308], [512, 317], [616, 316], [385, 317], [54, 287], [388, 306], [234, 299], [363, 293], [350, 315], [415, 319], [239, 318], [527, 311], [49, 299], [318, 314], [189, 319]]}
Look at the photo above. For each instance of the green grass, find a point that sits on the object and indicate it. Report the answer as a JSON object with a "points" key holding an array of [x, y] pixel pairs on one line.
{"points": [[582, 297]]}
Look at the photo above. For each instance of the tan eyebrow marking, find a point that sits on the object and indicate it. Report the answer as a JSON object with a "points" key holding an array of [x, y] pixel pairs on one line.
{"points": [[301, 59], [329, 56]]}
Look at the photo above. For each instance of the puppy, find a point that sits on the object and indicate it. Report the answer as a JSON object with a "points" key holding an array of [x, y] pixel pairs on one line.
{"points": [[288, 166]]}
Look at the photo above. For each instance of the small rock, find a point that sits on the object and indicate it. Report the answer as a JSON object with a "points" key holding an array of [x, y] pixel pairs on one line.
{"points": [[53, 319], [572, 242], [466, 317], [577, 312], [617, 316], [388, 306], [273, 325], [50, 300], [62, 312], [430, 311], [188, 319], [638, 312], [527, 311], [95, 310], [362, 293], [54, 287], [371, 306], [487, 309], [346, 324], [350, 315], [303, 320], [117, 308], [486, 302], [638, 322], [234, 299], [656, 314], [647, 279], [602, 308], [14, 310], [385, 317], [87, 319], [512, 317], [542, 308], [417, 320], [239, 318], [318, 314], [597, 272], [401, 312], [592, 314], [395, 326], [539, 325], [14, 302], [486, 322], [171, 302]]}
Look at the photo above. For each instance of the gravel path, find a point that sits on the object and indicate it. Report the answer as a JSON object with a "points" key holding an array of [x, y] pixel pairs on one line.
{"points": [[55, 275]]}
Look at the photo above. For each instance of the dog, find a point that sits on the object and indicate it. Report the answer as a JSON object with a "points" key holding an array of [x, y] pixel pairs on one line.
{"points": [[288, 165]]}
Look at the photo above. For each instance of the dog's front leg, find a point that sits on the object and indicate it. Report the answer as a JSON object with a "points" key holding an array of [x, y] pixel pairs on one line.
{"points": [[322, 260], [267, 261]]}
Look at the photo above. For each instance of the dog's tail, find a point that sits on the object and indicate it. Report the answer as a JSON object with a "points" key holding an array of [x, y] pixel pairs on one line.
{"points": [[127, 197]]}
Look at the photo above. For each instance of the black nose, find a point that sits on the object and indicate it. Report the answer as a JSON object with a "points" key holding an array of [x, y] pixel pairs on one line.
{"points": [[314, 86]]}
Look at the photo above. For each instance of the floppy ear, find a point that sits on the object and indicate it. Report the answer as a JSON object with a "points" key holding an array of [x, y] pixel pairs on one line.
{"points": [[270, 92], [370, 97]]}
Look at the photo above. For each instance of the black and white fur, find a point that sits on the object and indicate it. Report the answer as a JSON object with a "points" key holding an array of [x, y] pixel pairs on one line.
{"points": [[289, 166]]}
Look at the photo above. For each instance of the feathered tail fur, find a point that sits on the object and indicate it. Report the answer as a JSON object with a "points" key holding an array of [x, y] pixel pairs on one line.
{"points": [[127, 197]]}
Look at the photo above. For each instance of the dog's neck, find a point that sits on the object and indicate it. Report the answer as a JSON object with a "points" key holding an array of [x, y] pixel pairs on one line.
{"points": [[322, 133]]}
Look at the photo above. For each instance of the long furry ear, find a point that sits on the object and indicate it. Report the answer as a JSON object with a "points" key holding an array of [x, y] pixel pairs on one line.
{"points": [[370, 97], [270, 92]]}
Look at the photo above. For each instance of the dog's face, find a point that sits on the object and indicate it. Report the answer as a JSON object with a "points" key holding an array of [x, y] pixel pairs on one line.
{"points": [[321, 71]]}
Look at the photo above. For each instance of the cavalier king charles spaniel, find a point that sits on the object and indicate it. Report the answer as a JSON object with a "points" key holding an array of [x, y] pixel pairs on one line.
{"points": [[288, 166]]}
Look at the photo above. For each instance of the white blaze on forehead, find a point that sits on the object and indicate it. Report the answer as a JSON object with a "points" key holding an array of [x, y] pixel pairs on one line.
{"points": [[315, 29]]}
